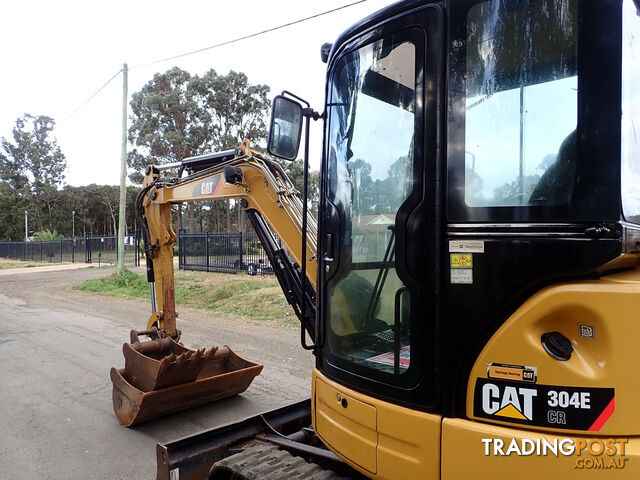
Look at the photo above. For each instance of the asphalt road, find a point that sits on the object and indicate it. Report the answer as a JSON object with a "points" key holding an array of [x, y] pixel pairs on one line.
{"points": [[56, 348]]}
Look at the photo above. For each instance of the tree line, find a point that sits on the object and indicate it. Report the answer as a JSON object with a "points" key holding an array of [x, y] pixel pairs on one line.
{"points": [[174, 116]]}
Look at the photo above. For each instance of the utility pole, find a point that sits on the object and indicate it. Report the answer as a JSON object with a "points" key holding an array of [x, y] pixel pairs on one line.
{"points": [[26, 226], [123, 174]]}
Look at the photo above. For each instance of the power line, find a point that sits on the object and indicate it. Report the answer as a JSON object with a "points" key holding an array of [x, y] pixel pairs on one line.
{"points": [[228, 42], [91, 97]]}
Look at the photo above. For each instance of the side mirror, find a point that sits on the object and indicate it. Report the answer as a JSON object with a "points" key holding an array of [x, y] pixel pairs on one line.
{"points": [[285, 130]]}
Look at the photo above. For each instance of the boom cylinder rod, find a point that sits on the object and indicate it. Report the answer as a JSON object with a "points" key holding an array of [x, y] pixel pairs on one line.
{"points": [[168, 166], [154, 306]]}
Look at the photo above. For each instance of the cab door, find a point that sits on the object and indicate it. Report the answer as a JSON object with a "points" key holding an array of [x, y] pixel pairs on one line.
{"points": [[380, 224]]}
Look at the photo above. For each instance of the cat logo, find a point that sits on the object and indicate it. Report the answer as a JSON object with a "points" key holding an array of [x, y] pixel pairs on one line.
{"points": [[508, 401], [206, 188]]}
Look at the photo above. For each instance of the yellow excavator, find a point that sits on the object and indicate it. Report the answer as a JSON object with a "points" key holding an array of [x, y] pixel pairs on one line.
{"points": [[473, 300]]}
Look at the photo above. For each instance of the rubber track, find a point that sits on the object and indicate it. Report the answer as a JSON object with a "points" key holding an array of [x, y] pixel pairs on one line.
{"points": [[268, 462]]}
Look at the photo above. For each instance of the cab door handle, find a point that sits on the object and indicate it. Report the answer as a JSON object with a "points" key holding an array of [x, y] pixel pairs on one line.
{"points": [[328, 250]]}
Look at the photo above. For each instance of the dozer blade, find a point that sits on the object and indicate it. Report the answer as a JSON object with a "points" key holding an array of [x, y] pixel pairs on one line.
{"points": [[163, 377]]}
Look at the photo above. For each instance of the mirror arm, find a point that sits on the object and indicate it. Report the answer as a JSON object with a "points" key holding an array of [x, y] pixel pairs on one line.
{"points": [[308, 114], [311, 113]]}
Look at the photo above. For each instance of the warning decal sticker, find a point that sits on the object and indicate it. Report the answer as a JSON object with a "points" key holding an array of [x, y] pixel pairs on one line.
{"points": [[461, 268], [461, 260], [388, 358], [553, 406]]}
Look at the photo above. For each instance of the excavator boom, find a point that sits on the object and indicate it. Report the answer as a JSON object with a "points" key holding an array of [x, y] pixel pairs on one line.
{"points": [[161, 376]]}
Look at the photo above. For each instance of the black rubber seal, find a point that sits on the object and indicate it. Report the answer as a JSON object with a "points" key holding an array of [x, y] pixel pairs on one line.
{"points": [[557, 345]]}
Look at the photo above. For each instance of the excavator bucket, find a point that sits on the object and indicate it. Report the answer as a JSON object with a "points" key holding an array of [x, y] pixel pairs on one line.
{"points": [[161, 377]]}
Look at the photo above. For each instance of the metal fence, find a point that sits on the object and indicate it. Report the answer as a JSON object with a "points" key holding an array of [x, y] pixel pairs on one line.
{"points": [[222, 252], [208, 252], [97, 249]]}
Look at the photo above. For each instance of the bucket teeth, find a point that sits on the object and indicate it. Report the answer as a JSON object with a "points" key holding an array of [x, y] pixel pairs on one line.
{"points": [[197, 355], [181, 359]]}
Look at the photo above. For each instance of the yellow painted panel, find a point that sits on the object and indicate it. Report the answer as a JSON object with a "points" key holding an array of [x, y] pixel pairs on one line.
{"points": [[408, 443], [463, 456], [601, 318], [347, 424], [408, 440]]}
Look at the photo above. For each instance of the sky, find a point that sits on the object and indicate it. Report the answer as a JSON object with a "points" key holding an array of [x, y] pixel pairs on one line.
{"points": [[55, 55]]}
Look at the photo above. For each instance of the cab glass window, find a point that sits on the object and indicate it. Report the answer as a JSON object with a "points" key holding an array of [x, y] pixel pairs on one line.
{"points": [[371, 158], [631, 111], [521, 102]]}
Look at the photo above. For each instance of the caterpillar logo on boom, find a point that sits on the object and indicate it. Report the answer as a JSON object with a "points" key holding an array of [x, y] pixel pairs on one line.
{"points": [[511, 402], [208, 186]]}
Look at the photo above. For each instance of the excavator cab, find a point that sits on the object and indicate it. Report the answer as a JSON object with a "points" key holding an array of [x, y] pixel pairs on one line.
{"points": [[478, 243]]}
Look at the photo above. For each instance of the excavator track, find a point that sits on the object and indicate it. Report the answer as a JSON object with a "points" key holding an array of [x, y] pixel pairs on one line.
{"points": [[268, 462]]}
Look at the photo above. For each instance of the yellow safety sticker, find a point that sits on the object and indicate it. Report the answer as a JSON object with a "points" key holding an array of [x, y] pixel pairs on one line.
{"points": [[461, 260]]}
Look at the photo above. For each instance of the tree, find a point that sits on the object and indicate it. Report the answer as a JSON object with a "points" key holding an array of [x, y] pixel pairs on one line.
{"points": [[13, 203], [177, 115], [169, 122], [33, 164], [237, 109], [34, 158], [47, 235], [510, 194], [95, 208], [31, 171]]}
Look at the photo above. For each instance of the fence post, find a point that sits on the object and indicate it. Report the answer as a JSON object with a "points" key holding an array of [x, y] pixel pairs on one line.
{"points": [[240, 265], [135, 249], [61, 250], [180, 239], [181, 252], [206, 248]]}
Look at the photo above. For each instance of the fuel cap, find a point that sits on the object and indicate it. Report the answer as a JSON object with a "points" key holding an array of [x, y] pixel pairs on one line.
{"points": [[557, 345]]}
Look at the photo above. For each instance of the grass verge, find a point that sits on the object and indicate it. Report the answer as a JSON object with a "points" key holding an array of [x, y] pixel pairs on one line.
{"points": [[6, 264], [253, 298]]}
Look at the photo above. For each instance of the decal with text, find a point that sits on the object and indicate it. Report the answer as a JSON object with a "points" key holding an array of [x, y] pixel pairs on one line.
{"points": [[208, 186], [553, 406]]}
